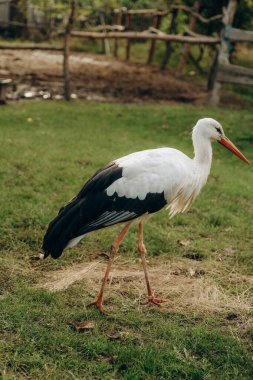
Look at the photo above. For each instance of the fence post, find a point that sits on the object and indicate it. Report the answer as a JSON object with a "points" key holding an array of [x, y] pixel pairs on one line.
{"points": [[187, 47], [169, 48], [105, 42], [128, 43], [223, 54], [66, 51], [156, 24], [117, 22]]}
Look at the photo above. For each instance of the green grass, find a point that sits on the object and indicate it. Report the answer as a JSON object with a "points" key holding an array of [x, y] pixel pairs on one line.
{"points": [[48, 150]]}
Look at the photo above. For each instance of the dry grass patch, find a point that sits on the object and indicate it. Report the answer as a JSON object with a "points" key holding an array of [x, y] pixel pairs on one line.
{"points": [[190, 287]]}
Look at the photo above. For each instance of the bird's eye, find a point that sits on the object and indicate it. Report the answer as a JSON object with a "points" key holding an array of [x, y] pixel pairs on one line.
{"points": [[218, 129]]}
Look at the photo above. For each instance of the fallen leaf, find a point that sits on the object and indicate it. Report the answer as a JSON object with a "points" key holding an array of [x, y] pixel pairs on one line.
{"points": [[83, 326]]}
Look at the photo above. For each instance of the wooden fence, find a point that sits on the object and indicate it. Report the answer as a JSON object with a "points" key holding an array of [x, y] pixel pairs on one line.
{"points": [[222, 71], [153, 34], [123, 32]]}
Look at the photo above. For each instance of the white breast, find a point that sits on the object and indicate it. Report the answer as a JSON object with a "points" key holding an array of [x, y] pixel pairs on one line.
{"points": [[155, 171]]}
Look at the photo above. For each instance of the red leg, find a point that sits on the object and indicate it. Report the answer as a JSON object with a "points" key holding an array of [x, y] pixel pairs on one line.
{"points": [[114, 250], [142, 250]]}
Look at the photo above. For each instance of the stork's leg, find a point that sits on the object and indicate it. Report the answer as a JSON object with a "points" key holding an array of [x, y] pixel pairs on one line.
{"points": [[142, 250], [114, 250]]}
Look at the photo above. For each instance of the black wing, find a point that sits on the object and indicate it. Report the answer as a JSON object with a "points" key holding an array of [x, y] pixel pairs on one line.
{"points": [[93, 209]]}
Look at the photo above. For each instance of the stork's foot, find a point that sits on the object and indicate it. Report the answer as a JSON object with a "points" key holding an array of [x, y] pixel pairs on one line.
{"points": [[156, 301], [99, 305]]}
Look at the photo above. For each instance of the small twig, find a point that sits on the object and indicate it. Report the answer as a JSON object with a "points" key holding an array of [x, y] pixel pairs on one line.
{"points": [[156, 31], [196, 14]]}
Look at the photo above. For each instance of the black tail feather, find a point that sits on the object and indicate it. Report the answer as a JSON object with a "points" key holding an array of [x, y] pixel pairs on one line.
{"points": [[61, 230], [71, 222], [86, 206]]}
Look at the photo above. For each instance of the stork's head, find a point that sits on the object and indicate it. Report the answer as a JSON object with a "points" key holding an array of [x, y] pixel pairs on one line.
{"points": [[209, 129], [212, 130]]}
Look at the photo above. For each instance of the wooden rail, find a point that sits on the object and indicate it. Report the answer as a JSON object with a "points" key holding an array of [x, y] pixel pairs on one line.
{"points": [[235, 74], [155, 12], [157, 16], [30, 47], [222, 71], [238, 35], [147, 36]]}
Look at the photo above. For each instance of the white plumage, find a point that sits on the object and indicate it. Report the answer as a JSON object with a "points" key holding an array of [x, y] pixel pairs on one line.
{"points": [[167, 170], [134, 187]]}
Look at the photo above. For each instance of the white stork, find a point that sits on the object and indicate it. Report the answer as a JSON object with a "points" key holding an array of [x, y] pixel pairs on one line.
{"points": [[132, 188]]}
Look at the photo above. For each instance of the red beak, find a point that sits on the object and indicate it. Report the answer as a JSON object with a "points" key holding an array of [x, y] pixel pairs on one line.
{"points": [[230, 146]]}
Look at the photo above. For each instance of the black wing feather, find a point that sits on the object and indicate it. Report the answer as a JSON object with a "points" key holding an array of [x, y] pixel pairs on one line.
{"points": [[93, 209]]}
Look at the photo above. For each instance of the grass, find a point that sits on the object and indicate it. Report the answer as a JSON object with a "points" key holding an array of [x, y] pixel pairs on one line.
{"points": [[48, 151]]}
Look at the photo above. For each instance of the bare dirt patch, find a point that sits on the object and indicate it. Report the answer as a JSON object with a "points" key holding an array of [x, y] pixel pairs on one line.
{"points": [[101, 78], [97, 77]]}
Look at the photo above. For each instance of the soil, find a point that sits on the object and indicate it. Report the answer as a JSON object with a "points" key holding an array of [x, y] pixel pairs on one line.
{"points": [[93, 77]]}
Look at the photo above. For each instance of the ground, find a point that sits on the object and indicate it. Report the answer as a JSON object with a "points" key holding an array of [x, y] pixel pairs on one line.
{"points": [[187, 283], [202, 261], [95, 77]]}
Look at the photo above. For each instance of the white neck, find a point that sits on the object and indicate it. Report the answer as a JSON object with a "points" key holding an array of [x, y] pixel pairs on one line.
{"points": [[203, 155]]}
